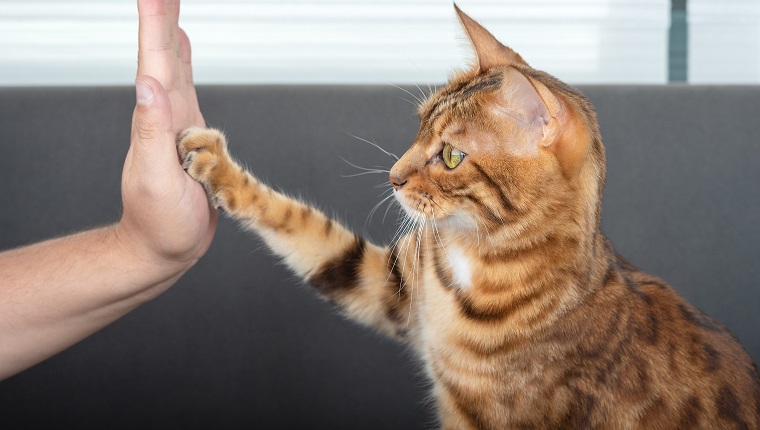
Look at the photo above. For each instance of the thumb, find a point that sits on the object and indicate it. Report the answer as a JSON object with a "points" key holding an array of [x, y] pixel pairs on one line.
{"points": [[152, 118]]}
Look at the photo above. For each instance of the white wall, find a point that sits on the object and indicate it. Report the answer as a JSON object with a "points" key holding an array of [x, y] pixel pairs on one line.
{"points": [[93, 42]]}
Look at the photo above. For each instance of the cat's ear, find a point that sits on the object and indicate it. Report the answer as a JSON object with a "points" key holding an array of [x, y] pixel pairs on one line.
{"points": [[489, 51], [551, 122], [565, 133], [536, 108]]}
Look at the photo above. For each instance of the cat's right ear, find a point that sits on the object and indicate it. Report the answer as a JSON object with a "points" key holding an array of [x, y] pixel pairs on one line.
{"points": [[489, 51]]}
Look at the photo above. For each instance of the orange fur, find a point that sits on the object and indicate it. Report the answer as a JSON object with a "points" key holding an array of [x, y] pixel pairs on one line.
{"points": [[523, 313]]}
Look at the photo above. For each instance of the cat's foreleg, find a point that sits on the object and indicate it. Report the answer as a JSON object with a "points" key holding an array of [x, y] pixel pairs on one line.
{"points": [[363, 279]]}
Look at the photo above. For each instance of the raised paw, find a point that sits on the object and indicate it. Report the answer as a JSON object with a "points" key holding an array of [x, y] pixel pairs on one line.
{"points": [[203, 152]]}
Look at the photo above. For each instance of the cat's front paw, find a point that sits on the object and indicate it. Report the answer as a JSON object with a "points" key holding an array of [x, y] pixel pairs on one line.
{"points": [[203, 152]]}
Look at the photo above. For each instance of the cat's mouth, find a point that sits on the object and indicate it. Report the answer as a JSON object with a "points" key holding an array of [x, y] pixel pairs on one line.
{"points": [[420, 204], [424, 208]]}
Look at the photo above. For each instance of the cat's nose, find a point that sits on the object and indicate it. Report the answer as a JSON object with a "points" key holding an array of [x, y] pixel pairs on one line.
{"points": [[397, 182]]}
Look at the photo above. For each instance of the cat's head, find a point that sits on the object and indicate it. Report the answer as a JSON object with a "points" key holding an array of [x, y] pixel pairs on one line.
{"points": [[503, 147]]}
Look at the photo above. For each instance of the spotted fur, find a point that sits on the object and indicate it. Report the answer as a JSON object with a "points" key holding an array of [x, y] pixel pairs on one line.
{"points": [[523, 313]]}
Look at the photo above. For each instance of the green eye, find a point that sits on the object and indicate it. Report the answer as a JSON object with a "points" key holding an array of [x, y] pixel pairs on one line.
{"points": [[452, 156]]}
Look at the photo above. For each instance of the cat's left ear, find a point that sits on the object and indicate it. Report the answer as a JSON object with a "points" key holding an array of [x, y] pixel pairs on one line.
{"points": [[489, 51], [553, 123], [564, 132]]}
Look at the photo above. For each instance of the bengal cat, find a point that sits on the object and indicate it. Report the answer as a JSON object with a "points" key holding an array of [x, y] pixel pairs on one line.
{"points": [[523, 313]]}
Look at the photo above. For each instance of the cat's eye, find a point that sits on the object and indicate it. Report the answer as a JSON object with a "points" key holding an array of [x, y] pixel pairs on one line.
{"points": [[452, 156]]}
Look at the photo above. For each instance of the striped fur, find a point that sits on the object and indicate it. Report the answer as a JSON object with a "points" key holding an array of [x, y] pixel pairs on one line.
{"points": [[524, 315]]}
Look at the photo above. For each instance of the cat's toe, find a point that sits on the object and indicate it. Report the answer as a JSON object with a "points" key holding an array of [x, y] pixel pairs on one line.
{"points": [[187, 160], [187, 132], [196, 139], [203, 155]]}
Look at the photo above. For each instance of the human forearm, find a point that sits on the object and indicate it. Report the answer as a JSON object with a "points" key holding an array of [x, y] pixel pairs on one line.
{"points": [[47, 305], [55, 293]]}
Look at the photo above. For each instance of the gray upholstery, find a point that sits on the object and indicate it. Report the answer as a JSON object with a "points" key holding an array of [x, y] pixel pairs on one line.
{"points": [[239, 343]]}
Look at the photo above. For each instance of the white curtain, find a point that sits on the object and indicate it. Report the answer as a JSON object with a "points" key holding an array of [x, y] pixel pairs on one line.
{"points": [[93, 42], [724, 41]]}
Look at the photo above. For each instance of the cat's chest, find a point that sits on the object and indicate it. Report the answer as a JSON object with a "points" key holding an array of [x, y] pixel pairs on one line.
{"points": [[450, 272], [461, 267]]}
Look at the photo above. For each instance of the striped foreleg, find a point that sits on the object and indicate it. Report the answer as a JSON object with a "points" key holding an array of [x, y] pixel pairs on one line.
{"points": [[364, 280]]}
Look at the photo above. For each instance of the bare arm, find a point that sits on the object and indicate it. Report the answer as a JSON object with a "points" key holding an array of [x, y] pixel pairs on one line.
{"points": [[55, 293], [58, 292]]}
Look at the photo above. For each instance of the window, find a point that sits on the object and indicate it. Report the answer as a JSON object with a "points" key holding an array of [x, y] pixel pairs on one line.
{"points": [[94, 42]]}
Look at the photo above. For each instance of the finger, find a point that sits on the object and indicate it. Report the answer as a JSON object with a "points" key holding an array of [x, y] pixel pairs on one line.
{"points": [[156, 56], [172, 7], [152, 133], [187, 75], [172, 14], [185, 55]]}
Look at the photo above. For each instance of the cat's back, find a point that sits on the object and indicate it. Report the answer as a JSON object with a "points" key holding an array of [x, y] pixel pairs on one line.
{"points": [[701, 362], [637, 355]]}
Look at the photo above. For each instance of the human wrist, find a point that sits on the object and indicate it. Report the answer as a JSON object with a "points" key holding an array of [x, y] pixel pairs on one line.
{"points": [[137, 252]]}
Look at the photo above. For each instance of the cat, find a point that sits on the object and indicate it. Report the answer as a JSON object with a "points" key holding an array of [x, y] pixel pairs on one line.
{"points": [[521, 310]]}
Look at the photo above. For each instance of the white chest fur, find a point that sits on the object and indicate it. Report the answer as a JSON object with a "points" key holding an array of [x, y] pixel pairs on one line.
{"points": [[461, 267]]}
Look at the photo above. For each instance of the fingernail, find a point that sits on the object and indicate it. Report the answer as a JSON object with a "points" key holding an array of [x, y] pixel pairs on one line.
{"points": [[144, 92]]}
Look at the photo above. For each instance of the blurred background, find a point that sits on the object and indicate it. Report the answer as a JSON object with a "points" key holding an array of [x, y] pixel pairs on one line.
{"points": [[238, 343], [93, 42]]}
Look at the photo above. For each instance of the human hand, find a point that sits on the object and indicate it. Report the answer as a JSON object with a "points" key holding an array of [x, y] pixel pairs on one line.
{"points": [[166, 218]]}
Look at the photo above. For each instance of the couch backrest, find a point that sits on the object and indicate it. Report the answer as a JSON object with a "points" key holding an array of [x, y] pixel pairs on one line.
{"points": [[238, 343]]}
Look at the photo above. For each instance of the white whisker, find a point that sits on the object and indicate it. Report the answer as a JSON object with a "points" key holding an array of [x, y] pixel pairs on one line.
{"points": [[409, 101], [401, 233], [390, 154], [372, 211], [394, 245], [424, 96], [416, 268], [437, 234], [389, 207], [370, 169], [406, 244], [369, 172], [422, 93], [408, 92]]}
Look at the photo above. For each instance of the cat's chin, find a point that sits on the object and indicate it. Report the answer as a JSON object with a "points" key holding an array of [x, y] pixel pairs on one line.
{"points": [[458, 221], [417, 208], [411, 211]]}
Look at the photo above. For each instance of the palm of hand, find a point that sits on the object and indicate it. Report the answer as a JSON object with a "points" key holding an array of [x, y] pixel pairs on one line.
{"points": [[165, 210]]}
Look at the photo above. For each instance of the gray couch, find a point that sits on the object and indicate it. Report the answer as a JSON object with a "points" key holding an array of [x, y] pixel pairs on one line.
{"points": [[239, 343]]}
